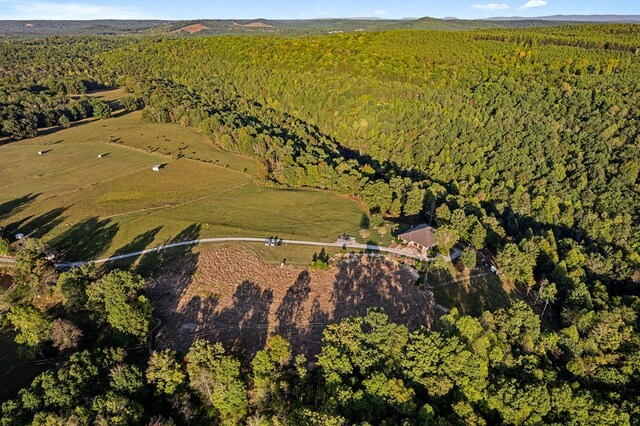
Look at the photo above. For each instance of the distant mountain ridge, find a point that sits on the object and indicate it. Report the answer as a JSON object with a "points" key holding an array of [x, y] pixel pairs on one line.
{"points": [[41, 28], [623, 19]]}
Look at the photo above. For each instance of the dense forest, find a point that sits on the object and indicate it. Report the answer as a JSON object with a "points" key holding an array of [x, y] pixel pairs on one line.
{"points": [[37, 82], [503, 367], [524, 143], [537, 139]]}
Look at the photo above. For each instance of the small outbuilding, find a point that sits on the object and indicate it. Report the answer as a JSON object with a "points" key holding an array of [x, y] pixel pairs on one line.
{"points": [[40, 152], [157, 168], [420, 237]]}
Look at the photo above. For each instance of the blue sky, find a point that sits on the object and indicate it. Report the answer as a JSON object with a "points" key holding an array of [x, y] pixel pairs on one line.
{"points": [[304, 9]]}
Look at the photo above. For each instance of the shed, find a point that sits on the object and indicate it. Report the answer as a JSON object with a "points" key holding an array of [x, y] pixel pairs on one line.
{"points": [[157, 168]]}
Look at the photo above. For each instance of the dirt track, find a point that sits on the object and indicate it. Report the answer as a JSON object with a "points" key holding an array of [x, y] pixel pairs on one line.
{"points": [[236, 298]]}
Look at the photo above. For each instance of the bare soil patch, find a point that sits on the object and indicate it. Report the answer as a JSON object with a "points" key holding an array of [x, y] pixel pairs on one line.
{"points": [[191, 29], [253, 25], [235, 298]]}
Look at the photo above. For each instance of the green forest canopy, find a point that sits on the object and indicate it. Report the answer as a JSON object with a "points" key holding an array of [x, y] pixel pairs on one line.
{"points": [[525, 142]]}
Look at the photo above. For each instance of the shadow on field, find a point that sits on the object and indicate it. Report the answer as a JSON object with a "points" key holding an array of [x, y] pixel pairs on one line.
{"points": [[139, 243], [118, 112], [41, 225], [483, 291], [179, 258], [243, 327], [244, 324], [358, 286], [16, 205], [238, 300], [85, 240], [38, 226], [176, 268], [54, 129], [290, 313]]}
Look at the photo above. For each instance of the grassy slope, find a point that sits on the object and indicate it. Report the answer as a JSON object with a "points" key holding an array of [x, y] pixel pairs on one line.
{"points": [[91, 207]]}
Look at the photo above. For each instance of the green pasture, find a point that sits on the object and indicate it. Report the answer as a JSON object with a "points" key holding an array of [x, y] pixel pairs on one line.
{"points": [[88, 207]]}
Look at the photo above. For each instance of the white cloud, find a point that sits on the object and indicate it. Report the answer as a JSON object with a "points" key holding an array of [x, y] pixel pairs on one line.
{"points": [[534, 3], [37, 9], [491, 6], [319, 11], [380, 12]]}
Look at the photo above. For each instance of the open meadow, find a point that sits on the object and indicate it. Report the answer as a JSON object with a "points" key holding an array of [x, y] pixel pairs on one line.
{"points": [[88, 206]]}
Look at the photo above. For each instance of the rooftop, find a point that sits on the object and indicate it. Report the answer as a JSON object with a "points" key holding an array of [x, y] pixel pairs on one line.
{"points": [[421, 234]]}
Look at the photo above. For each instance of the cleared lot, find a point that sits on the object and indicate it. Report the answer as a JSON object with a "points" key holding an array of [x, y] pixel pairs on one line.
{"points": [[228, 294]]}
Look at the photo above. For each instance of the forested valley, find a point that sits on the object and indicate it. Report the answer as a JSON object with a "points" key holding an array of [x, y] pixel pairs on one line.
{"points": [[523, 144]]}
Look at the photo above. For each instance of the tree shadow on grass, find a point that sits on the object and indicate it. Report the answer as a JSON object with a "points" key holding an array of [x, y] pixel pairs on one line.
{"points": [[360, 283], [86, 239], [38, 226], [306, 336], [119, 112], [169, 274], [290, 313], [177, 258], [139, 243], [11, 207], [41, 225], [242, 327], [15, 227], [483, 291], [376, 283]]}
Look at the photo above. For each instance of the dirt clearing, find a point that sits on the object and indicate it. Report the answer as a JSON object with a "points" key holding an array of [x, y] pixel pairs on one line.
{"points": [[191, 29], [229, 295], [253, 25]]}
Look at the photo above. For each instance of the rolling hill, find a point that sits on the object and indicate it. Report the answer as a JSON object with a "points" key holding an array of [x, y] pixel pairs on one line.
{"points": [[280, 27]]}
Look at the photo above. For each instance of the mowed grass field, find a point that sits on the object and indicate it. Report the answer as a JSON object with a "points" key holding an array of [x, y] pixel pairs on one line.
{"points": [[89, 207]]}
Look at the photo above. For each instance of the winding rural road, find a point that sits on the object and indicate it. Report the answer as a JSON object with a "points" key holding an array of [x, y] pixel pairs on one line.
{"points": [[349, 244]]}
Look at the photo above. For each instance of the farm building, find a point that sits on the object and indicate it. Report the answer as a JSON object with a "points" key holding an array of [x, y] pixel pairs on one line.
{"points": [[420, 237], [156, 168]]}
